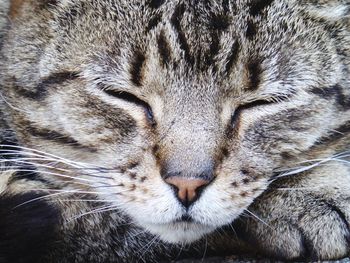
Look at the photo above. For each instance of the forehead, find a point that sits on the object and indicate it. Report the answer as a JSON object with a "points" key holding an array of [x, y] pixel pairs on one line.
{"points": [[230, 46]]}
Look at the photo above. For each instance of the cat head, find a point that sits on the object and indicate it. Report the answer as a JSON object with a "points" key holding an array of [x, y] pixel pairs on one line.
{"points": [[180, 113]]}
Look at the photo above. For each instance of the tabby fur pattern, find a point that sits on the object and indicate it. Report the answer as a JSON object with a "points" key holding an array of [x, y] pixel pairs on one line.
{"points": [[102, 100]]}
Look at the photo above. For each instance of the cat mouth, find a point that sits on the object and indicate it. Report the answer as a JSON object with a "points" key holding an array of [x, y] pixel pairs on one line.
{"points": [[186, 218]]}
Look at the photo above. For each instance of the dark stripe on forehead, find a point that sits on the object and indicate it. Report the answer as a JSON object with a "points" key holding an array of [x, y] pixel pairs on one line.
{"points": [[57, 137], [40, 91], [251, 30], [156, 3], [153, 22], [254, 74], [136, 68], [232, 58], [226, 5], [219, 22], [72, 14], [48, 3], [176, 22], [257, 6], [214, 49], [163, 49], [335, 92]]}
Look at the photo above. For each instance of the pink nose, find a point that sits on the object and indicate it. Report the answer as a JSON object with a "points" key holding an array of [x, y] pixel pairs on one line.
{"points": [[187, 188]]}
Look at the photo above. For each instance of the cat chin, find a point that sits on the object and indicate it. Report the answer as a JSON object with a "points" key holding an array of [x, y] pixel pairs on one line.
{"points": [[179, 233]]}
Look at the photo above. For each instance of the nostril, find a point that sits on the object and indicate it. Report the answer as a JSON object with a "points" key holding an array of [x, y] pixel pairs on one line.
{"points": [[200, 189], [187, 190]]}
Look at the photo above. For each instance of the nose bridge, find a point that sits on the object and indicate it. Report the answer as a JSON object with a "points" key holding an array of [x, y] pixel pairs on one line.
{"points": [[188, 164], [189, 146], [198, 124]]}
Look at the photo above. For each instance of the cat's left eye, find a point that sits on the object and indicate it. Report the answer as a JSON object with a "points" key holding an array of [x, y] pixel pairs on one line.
{"points": [[131, 98]]}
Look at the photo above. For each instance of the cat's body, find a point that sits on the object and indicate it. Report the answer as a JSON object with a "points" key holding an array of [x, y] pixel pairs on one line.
{"points": [[151, 130]]}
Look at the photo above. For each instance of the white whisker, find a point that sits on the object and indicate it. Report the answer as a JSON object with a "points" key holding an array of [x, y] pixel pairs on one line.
{"points": [[205, 249], [138, 233], [298, 188], [147, 246], [70, 191], [44, 158], [44, 154], [37, 199], [94, 211], [29, 161], [12, 106], [107, 186], [55, 174], [88, 200], [317, 162], [258, 218]]}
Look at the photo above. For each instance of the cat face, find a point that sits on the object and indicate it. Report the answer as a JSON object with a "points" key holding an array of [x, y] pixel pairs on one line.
{"points": [[178, 113]]}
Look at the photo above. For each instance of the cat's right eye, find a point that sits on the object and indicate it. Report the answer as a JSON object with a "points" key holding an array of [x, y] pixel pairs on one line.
{"points": [[248, 106], [131, 98]]}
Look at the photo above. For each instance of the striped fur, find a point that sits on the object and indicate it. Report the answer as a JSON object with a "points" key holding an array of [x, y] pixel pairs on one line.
{"points": [[101, 101]]}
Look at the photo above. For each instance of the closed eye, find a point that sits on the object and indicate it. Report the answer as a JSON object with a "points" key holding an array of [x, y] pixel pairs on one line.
{"points": [[130, 98], [254, 104]]}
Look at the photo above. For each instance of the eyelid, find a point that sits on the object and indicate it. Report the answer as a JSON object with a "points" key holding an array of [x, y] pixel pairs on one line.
{"points": [[126, 96], [265, 101], [131, 98], [256, 103]]}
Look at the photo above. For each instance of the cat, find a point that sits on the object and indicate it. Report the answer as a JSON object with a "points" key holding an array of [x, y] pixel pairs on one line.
{"points": [[154, 130]]}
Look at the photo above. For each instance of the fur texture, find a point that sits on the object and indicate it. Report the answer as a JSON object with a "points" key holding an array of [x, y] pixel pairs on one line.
{"points": [[103, 100]]}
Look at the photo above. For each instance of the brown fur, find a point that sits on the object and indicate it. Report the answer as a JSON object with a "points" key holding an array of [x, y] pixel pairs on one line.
{"points": [[110, 98]]}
